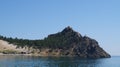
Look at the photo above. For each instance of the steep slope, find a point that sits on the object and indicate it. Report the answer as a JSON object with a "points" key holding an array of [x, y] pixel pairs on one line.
{"points": [[71, 43]]}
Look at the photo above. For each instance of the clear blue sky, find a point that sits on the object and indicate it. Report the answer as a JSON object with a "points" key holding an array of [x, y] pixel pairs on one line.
{"points": [[35, 19]]}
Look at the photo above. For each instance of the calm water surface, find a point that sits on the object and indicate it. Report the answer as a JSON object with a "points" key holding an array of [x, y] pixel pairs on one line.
{"points": [[29, 61]]}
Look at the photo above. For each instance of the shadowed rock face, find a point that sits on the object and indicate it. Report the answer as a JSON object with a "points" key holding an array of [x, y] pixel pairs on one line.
{"points": [[78, 45]]}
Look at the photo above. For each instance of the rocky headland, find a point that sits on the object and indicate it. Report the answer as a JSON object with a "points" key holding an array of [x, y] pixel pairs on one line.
{"points": [[65, 43]]}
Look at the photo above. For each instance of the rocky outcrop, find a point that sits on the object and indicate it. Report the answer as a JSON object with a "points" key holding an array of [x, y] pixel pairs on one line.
{"points": [[77, 45]]}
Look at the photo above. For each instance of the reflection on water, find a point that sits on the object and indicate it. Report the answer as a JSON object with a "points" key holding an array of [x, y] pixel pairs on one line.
{"points": [[29, 61]]}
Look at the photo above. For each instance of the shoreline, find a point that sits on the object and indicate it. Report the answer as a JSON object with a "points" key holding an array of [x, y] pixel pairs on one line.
{"points": [[38, 55], [14, 54]]}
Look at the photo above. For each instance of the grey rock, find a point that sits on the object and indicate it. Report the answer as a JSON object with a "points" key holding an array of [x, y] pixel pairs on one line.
{"points": [[78, 45]]}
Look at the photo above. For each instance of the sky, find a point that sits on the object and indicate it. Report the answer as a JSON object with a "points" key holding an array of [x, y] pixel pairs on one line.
{"points": [[36, 19]]}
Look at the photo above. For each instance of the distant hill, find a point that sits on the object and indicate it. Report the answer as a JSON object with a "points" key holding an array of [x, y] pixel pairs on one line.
{"points": [[65, 43]]}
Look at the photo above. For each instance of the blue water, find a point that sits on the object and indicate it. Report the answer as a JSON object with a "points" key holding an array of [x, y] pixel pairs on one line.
{"points": [[29, 61]]}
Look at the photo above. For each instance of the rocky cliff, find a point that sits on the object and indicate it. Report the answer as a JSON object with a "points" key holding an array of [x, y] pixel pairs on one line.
{"points": [[72, 43]]}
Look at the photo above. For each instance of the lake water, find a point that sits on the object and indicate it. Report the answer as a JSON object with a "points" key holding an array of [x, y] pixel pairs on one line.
{"points": [[29, 61]]}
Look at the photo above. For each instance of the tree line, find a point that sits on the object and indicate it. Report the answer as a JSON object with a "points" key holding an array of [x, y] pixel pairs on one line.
{"points": [[53, 41]]}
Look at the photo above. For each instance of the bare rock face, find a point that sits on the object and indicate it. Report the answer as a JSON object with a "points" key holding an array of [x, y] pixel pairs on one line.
{"points": [[78, 45], [89, 48]]}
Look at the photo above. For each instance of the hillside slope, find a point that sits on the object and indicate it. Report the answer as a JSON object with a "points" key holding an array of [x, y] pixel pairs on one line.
{"points": [[65, 43], [7, 48]]}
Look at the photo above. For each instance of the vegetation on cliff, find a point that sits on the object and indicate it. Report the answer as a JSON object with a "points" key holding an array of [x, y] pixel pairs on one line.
{"points": [[67, 42]]}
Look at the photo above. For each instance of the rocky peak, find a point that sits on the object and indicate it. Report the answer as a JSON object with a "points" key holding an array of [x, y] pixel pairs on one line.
{"points": [[72, 43], [68, 29]]}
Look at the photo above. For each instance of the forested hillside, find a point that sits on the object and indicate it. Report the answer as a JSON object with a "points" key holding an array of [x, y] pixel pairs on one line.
{"points": [[67, 42]]}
